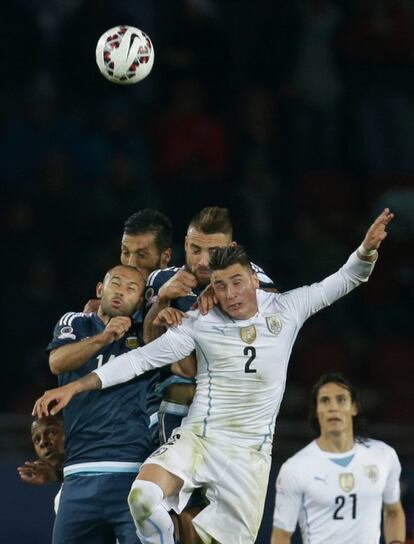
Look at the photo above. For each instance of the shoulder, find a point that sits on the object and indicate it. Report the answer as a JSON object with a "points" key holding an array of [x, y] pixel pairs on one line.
{"points": [[299, 462], [73, 325], [160, 276], [70, 318], [378, 447], [265, 280]]}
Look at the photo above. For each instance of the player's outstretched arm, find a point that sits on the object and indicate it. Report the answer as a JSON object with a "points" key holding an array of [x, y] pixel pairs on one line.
{"points": [[394, 523], [375, 235], [52, 402]]}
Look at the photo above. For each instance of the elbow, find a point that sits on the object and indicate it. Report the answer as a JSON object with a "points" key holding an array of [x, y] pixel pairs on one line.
{"points": [[54, 365]]}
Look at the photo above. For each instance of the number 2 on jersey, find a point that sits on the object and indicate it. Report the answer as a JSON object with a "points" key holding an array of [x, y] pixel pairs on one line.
{"points": [[251, 351]]}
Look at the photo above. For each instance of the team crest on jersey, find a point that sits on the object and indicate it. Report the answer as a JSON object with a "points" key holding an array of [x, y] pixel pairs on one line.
{"points": [[131, 341], [149, 293], [248, 334], [274, 324], [347, 481], [372, 473], [66, 332]]}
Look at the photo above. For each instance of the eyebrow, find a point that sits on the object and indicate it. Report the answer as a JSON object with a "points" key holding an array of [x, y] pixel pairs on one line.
{"points": [[209, 248], [129, 282], [233, 277]]}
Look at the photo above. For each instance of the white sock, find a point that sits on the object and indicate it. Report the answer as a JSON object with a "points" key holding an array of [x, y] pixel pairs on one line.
{"points": [[154, 524]]}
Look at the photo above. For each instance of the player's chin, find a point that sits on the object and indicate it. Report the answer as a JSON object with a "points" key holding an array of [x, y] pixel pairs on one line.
{"points": [[203, 277]]}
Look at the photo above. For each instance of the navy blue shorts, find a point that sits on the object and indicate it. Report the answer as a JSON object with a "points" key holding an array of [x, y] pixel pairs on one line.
{"points": [[93, 509]]}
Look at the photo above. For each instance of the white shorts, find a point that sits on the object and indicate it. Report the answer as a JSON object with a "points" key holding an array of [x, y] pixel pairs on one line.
{"points": [[235, 480]]}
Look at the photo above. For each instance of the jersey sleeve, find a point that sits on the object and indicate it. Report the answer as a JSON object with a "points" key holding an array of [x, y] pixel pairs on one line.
{"points": [[172, 346], [306, 301], [67, 330], [288, 499], [391, 492]]}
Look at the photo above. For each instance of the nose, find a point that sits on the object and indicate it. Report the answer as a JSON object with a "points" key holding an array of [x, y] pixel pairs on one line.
{"points": [[204, 259], [230, 292], [133, 260], [44, 442]]}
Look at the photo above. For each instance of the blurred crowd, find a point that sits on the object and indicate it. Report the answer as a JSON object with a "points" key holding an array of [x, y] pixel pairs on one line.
{"points": [[298, 116]]}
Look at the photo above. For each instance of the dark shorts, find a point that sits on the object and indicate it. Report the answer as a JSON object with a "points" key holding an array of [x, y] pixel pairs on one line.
{"points": [[93, 509]]}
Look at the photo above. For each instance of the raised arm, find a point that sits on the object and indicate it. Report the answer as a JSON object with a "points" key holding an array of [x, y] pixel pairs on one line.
{"points": [[180, 285], [73, 355]]}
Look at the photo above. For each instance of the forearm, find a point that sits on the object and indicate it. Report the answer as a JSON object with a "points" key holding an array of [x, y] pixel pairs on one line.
{"points": [[394, 525], [72, 356], [151, 331]]}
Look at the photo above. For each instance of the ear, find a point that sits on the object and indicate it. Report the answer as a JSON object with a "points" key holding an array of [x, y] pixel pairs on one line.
{"points": [[355, 409], [255, 280], [99, 289], [185, 243], [166, 256]]}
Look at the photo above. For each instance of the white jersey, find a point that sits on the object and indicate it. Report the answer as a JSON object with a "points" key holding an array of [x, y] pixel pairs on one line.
{"points": [[242, 364], [337, 497]]}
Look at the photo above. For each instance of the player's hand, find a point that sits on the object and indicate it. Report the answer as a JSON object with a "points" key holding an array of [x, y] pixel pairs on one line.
{"points": [[169, 317], [180, 285], [38, 472], [377, 231], [52, 401], [92, 306], [116, 328], [206, 300]]}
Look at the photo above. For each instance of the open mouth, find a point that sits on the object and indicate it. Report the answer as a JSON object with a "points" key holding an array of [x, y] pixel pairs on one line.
{"points": [[116, 303]]}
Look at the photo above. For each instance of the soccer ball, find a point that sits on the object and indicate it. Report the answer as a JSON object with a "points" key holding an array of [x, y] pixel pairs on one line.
{"points": [[124, 54]]}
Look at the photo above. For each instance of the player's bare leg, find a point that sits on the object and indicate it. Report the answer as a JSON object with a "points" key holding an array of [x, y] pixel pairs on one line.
{"points": [[188, 534], [151, 518]]}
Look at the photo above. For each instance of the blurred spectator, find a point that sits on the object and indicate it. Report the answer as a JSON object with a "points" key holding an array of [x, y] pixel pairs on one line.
{"points": [[376, 45]]}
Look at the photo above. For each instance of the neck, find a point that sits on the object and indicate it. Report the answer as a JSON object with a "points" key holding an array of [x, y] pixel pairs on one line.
{"points": [[338, 443], [102, 315]]}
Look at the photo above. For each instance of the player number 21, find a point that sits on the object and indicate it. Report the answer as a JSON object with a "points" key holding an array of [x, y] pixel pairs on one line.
{"points": [[340, 502], [251, 352]]}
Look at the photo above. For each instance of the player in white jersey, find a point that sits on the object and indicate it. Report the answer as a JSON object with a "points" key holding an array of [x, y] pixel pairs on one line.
{"points": [[337, 486], [243, 347]]}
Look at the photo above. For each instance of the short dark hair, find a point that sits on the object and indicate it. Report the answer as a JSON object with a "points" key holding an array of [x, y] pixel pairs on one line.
{"points": [[47, 420], [359, 423], [154, 221], [223, 257], [212, 220]]}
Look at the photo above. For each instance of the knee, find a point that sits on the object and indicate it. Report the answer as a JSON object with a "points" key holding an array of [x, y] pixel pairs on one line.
{"points": [[143, 499]]}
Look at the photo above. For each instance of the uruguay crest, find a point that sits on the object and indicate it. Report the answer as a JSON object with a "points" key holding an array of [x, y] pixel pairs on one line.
{"points": [[274, 324], [372, 473], [248, 334], [347, 481]]}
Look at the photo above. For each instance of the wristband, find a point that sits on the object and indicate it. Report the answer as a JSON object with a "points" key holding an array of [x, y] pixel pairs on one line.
{"points": [[367, 253]]}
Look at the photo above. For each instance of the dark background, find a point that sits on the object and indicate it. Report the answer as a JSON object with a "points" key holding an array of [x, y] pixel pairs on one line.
{"points": [[298, 116]]}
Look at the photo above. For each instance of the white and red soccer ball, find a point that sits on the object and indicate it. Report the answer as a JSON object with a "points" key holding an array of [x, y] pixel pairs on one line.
{"points": [[124, 54]]}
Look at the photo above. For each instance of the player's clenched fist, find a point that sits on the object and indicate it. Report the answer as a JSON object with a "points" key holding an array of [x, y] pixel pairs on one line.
{"points": [[180, 285], [169, 317], [116, 328]]}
